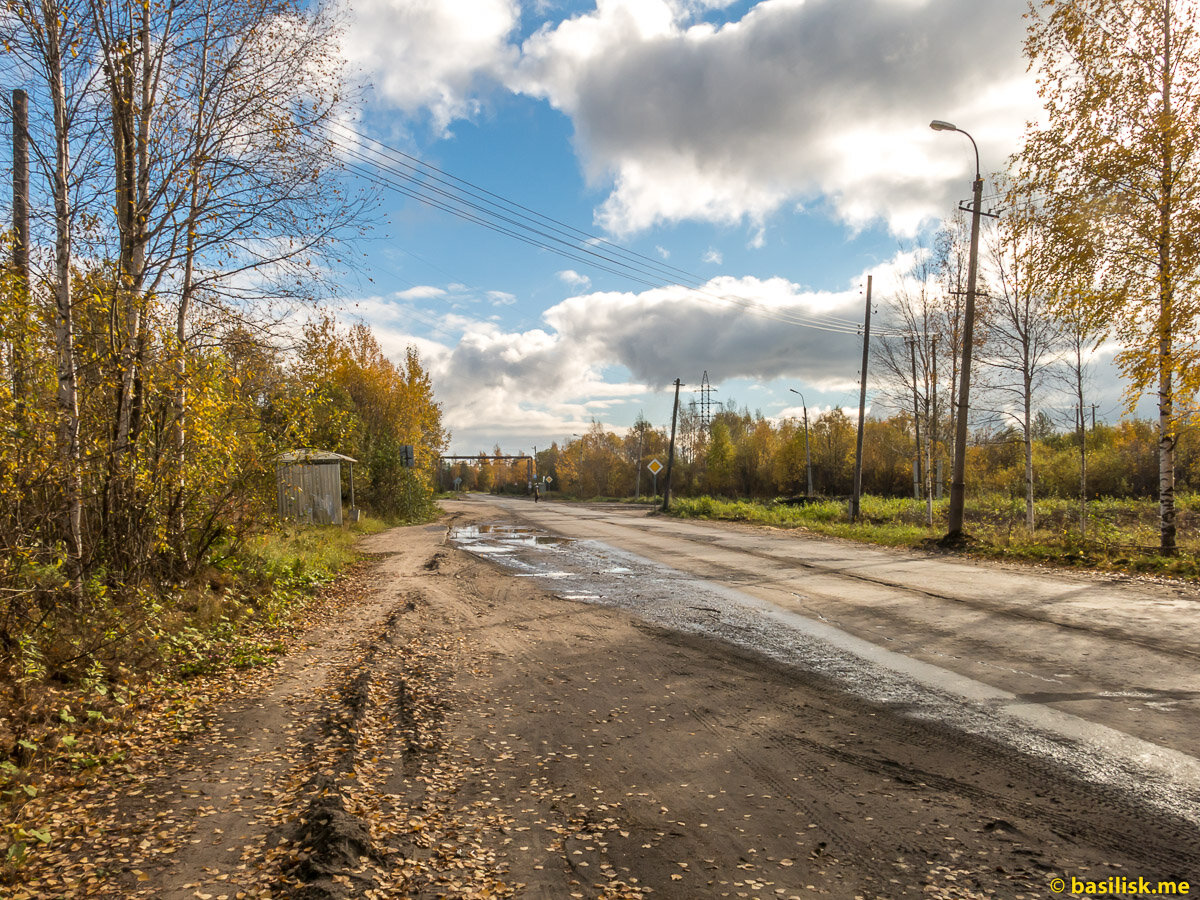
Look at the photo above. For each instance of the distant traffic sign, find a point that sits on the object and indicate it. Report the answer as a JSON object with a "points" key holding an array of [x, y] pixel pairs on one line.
{"points": [[654, 466]]}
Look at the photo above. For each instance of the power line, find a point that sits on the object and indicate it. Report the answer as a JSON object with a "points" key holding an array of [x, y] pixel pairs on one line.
{"points": [[407, 175], [483, 221], [624, 270], [506, 224], [416, 165]]}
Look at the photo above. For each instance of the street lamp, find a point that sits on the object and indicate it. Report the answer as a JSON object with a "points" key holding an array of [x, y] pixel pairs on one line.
{"points": [[958, 471], [582, 448], [637, 485], [807, 458]]}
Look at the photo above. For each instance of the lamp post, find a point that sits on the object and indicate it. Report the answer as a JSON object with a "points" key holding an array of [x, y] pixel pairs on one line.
{"points": [[807, 458], [958, 470], [637, 486], [582, 448]]}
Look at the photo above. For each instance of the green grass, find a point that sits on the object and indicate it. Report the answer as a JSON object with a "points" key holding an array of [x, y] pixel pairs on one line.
{"points": [[1122, 534], [292, 551], [228, 619], [220, 617]]}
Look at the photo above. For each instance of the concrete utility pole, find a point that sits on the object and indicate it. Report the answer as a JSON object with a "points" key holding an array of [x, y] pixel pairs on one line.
{"points": [[671, 451], [862, 410], [958, 487]]}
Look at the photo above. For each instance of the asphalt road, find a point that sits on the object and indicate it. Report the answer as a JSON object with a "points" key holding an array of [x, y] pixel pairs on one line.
{"points": [[1098, 673]]}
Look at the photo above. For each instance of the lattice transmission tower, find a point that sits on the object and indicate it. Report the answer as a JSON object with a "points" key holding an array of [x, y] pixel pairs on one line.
{"points": [[706, 392]]}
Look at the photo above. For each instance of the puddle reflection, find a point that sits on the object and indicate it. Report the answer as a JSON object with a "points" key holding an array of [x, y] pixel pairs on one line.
{"points": [[507, 536]]}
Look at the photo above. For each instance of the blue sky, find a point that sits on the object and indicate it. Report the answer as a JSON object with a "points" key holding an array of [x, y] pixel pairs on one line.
{"points": [[776, 152]]}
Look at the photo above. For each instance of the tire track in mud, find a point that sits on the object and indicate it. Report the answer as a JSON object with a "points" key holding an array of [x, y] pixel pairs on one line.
{"points": [[331, 843], [498, 606], [380, 811]]}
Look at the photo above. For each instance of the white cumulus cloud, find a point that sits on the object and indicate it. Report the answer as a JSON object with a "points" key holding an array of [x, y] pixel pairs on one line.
{"points": [[574, 279], [796, 100], [420, 292], [551, 380], [816, 104], [432, 55]]}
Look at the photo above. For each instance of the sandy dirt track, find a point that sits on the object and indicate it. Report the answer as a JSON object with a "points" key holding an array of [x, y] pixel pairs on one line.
{"points": [[460, 732]]}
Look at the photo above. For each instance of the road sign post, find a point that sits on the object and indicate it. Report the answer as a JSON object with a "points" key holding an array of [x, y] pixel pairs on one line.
{"points": [[655, 467]]}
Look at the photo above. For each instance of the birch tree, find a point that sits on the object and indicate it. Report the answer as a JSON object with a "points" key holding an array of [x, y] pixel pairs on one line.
{"points": [[1023, 336], [1080, 343], [1117, 164], [224, 179], [192, 139], [50, 39], [917, 313]]}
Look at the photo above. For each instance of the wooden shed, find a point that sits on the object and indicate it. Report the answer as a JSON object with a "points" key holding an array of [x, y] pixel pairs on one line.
{"points": [[309, 486]]}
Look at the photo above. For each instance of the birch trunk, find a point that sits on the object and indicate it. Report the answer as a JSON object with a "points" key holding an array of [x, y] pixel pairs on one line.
{"points": [[67, 393], [1166, 286]]}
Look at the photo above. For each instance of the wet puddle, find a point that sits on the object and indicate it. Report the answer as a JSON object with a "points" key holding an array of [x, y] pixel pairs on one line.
{"points": [[587, 571], [502, 538], [512, 545]]}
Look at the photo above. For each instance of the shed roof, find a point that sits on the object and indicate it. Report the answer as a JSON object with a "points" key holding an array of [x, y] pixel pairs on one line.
{"points": [[315, 457]]}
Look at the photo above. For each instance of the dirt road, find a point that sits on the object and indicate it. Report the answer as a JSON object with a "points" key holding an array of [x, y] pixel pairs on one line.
{"points": [[463, 732]]}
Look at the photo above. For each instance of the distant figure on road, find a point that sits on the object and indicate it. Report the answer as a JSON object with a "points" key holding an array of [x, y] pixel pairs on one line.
{"points": [[536, 493]]}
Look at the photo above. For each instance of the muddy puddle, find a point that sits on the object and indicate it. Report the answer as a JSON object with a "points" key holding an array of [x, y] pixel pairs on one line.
{"points": [[592, 572], [502, 538]]}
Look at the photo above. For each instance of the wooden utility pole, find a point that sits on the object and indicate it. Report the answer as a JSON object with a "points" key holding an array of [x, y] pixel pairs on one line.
{"points": [[671, 451], [20, 138], [862, 410], [20, 107], [916, 420], [930, 425]]}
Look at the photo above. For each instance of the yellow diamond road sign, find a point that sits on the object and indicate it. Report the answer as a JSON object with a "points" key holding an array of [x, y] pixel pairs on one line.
{"points": [[655, 466]]}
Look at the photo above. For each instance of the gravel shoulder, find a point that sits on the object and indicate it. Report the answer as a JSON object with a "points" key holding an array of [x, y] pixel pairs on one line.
{"points": [[460, 732]]}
